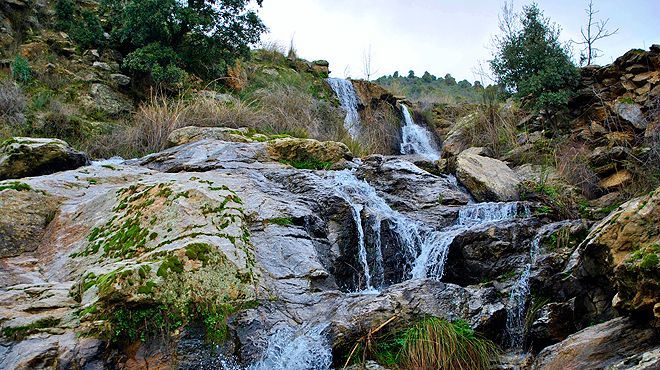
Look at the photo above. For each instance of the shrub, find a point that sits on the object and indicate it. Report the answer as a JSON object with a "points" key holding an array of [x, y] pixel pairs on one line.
{"points": [[12, 106], [532, 63], [157, 61], [206, 36], [494, 126], [435, 343], [20, 69], [573, 166], [12, 100], [61, 122], [64, 14], [87, 31]]}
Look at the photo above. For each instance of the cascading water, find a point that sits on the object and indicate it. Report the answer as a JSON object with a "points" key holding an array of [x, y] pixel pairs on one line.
{"points": [[307, 348], [431, 260], [427, 248], [518, 297], [417, 139], [349, 102]]}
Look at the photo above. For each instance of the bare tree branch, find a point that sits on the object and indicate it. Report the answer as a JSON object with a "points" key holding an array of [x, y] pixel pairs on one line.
{"points": [[596, 30]]}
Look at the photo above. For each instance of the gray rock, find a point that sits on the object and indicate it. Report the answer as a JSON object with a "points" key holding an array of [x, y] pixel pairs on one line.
{"points": [[189, 134], [22, 157], [109, 101], [120, 79], [26, 215], [102, 66], [487, 179], [219, 97], [617, 344], [631, 113]]}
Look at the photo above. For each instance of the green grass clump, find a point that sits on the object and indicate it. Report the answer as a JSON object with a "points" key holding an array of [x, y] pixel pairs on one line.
{"points": [[15, 185], [431, 343]]}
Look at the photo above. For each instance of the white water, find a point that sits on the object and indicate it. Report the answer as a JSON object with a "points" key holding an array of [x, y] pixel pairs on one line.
{"points": [[417, 139], [519, 295], [288, 349], [349, 102], [116, 160], [431, 260], [426, 247]]}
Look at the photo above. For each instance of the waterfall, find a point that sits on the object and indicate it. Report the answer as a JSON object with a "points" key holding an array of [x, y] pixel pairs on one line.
{"points": [[349, 102], [306, 348], [417, 139], [519, 295], [431, 260], [426, 248]]}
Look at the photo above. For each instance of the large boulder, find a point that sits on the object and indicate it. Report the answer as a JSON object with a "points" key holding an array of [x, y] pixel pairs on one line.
{"points": [[22, 157], [308, 150], [616, 344], [189, 134], [26, 213], [622, 252], [486, 178]]}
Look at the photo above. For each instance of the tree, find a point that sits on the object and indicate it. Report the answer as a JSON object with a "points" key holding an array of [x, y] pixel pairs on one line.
{"points": [[366, 64], [465, 84], [411, 74], [531, 63], [450, 80], [164, 39], [427, 77], [396, 74], [596, 30]]}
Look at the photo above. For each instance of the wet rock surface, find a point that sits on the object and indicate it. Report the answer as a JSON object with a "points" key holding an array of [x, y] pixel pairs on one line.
{"points": [[616, 344], [303, 255]]}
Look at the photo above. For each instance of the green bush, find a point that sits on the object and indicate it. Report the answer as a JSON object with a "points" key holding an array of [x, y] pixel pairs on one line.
{"points": [[531, 62], [157, 61], [87, 31], [205, 36], [64, 14], [20, 69]]}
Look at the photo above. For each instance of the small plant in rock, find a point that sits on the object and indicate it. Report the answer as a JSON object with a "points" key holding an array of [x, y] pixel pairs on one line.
{"points": [[20, 69]]}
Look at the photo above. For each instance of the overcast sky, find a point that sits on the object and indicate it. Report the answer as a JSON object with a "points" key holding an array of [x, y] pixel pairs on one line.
{"points": [[439, 36]]}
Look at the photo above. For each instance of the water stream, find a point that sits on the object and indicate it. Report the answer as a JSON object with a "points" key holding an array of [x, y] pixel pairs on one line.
{"points": [[519, 295], [349, 102], [305, 348], [426, 247], [417, 139]]}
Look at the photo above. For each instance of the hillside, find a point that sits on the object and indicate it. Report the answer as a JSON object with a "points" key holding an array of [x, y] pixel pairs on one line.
{"points": [[252, 213]]}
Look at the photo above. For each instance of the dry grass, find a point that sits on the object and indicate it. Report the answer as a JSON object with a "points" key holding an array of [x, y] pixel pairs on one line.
{"points": [[573, 166], [153, 122], [208, 112], [495, 126], [381, 131], [12, 105]]}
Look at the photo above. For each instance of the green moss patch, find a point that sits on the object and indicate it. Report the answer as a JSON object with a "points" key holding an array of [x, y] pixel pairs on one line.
{"points": [[20, 332], [308, 164], [15, 185]]}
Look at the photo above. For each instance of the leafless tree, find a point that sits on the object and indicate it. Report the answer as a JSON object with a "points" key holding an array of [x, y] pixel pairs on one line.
{"points": [[596, 30], [367, 68]]}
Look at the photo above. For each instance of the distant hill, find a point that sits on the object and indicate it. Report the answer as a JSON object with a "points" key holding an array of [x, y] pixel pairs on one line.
{"points": [[431, 89]]}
